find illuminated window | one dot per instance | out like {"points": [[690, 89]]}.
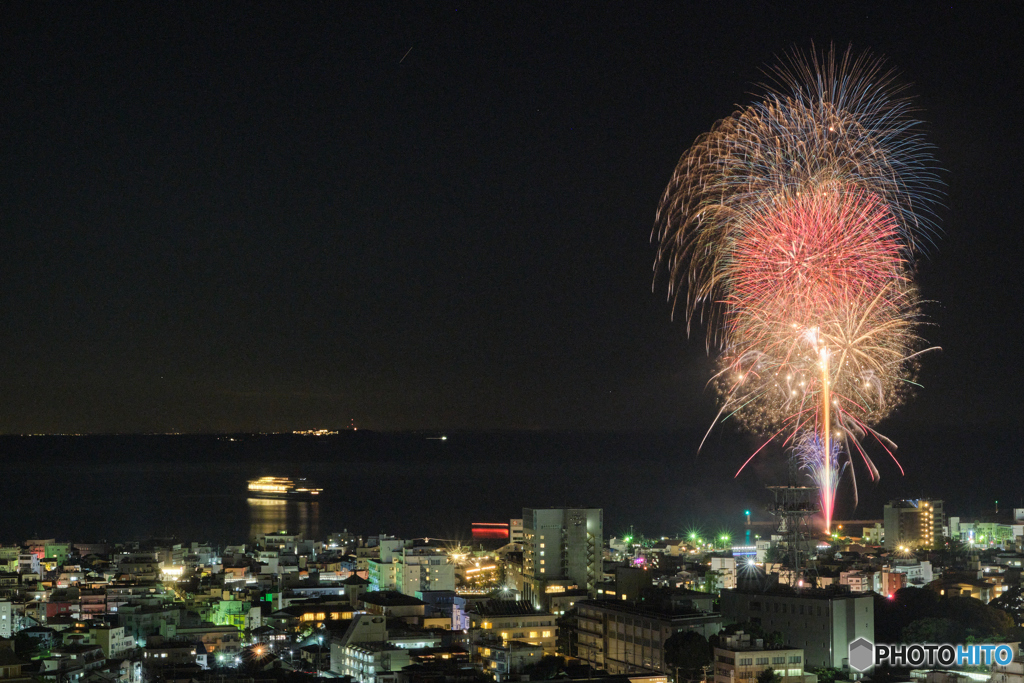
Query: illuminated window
{"points": [[533, 634], [546, 634]]}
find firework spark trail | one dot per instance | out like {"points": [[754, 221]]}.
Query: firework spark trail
{"points": [[792, 227], [809, 452]]}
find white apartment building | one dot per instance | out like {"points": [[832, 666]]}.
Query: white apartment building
{"points": [[918, 573], [858, 580], [725, 567], [423, 569], [515, 531], [114, 641]]}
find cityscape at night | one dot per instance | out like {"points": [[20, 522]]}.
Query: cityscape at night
{"points": [[422, 342]]}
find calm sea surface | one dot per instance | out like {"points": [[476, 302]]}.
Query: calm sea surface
{"points": [[194, 487]]}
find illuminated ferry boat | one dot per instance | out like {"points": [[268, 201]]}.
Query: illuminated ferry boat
{"points": [[283, 488]]}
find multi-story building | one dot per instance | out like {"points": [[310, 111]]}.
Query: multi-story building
{"points": [[913, 523], [140, 621], [502, 621], [981, 534], [383, 566], [503, 660], [919, 573], [222, 641], [561, 545], [364, 555], [230, 613], [626, 637], [364, 628], [515, 531], [423, 569], [383, 576], [1009, 673], [724, 568], [9, 558], [113, 640], [741, 658], [6, 619], [28, 563], [58, 551], [872, 535], [822, 622], [371, 662], [858, 580]]}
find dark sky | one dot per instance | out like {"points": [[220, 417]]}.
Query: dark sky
{"points": [[263, 217]]}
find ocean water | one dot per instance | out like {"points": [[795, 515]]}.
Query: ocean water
{"points": [[113, 488]]}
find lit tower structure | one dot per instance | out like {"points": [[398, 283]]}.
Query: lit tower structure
{"points": [[794, 506]]}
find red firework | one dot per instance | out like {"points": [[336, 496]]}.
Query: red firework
{"points": [[801, 260]]}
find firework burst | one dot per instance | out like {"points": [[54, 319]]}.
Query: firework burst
{"points": [[792, 226]]}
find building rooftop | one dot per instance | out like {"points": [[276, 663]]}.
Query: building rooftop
{"points": [[743, 642], [785, 591], [504, 608], [649, 611], [390, 599]]}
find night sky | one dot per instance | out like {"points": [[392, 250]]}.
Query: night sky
{"points": [[437, 216]]}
